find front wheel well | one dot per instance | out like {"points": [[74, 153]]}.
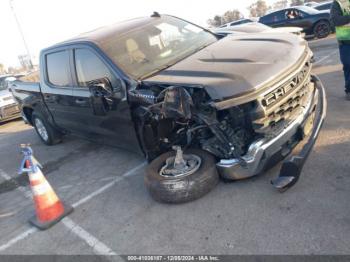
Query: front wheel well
{"points": [[323, 32], [321, 20], [28, 113]]}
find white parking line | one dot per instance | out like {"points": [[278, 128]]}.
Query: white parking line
{"points": [[18, 238], [8, 214], [22, 189], [98, 247], [325, 57], [109, 185]]}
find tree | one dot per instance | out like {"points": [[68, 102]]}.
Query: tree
{"points": [[258, 9], [230, 16], [280, 4], [227, 17], [216, 21], [297, 2]]}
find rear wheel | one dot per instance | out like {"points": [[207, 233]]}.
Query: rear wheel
{"points": [[47, 133], [322, 29], [188, 181]]}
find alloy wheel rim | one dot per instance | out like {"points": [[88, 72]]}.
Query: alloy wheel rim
{"points": [[41, 129], [322, 30]]}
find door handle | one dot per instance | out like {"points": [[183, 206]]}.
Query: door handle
{"points": [[80, 101], [50, 98]]}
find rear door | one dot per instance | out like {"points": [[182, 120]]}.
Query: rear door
{"points": [[276, 19], [107, 119], [57, 86]]}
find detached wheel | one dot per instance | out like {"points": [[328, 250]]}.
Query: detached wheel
{"points": [[322, 29], [48, 134], [185, 181]]}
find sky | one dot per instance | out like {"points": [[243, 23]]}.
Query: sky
{"points": [[46, 22]]}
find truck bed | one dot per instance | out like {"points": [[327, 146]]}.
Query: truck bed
{"points": [[27, 94]]}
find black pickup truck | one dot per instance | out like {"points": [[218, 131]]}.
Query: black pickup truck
{"points": [[197, 105]]}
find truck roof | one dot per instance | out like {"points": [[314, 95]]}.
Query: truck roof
{"points": [[102, 33]]}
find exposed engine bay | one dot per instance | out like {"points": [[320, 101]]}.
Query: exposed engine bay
{"points": [[179, 116]]}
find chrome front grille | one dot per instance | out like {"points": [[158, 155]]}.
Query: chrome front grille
{"points": [[278, 107], [9, 111]]}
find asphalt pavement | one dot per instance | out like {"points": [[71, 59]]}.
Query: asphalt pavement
{"points": [[114, 213]]}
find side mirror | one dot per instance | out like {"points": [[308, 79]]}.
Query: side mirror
{"points": [[101, 87]]}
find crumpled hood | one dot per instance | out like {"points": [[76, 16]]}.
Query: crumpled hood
{"points": [[235, 65]]}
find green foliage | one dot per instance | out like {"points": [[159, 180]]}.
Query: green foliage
{"points": [[228, 16], [297, 2], [280, 4], [258, 9]]}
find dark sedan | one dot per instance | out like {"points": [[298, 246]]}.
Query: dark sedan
{"points": [[312, 21]]}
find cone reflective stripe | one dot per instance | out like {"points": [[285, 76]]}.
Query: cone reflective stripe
{"points": [[49, 208], [47, 204]]}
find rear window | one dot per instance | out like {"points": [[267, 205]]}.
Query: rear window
{"points": [[324, 7], [58, 68]]}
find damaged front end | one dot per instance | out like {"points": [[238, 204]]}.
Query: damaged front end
{"points": [[182, 116], [245, 138]]}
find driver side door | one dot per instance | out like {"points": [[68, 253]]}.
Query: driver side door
{"points": [[299, 21], [103, 116]]}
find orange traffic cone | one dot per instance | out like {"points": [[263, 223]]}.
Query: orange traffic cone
{"points": [[49, 208]]}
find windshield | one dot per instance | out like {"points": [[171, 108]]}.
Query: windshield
{"points": [[156, 45]]}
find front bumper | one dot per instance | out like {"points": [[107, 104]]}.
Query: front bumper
{"points": [[261, 152], [9, 112]]}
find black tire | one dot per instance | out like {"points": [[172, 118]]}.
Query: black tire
{"points": [[53, 136], [322, 29], [181, 189]]}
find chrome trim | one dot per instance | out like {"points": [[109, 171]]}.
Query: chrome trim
{"points": [[6, 117], [262, 150]]}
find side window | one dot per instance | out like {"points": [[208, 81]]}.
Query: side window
{"points": [[268, 18], [292, 14], [57, 65], [89, 68], [278, 16]]}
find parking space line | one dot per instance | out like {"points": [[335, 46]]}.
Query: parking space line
{"points": [[98, 247], [109, 185], [22, 189], [8, 214], [93, 242], [325, 57], [18, 238]]}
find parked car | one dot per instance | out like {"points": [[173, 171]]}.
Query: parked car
{"points": [[238, 22], [8, 106], [194, 103], [325, 6], [256, 27], [313, 22], [311, 4]]}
